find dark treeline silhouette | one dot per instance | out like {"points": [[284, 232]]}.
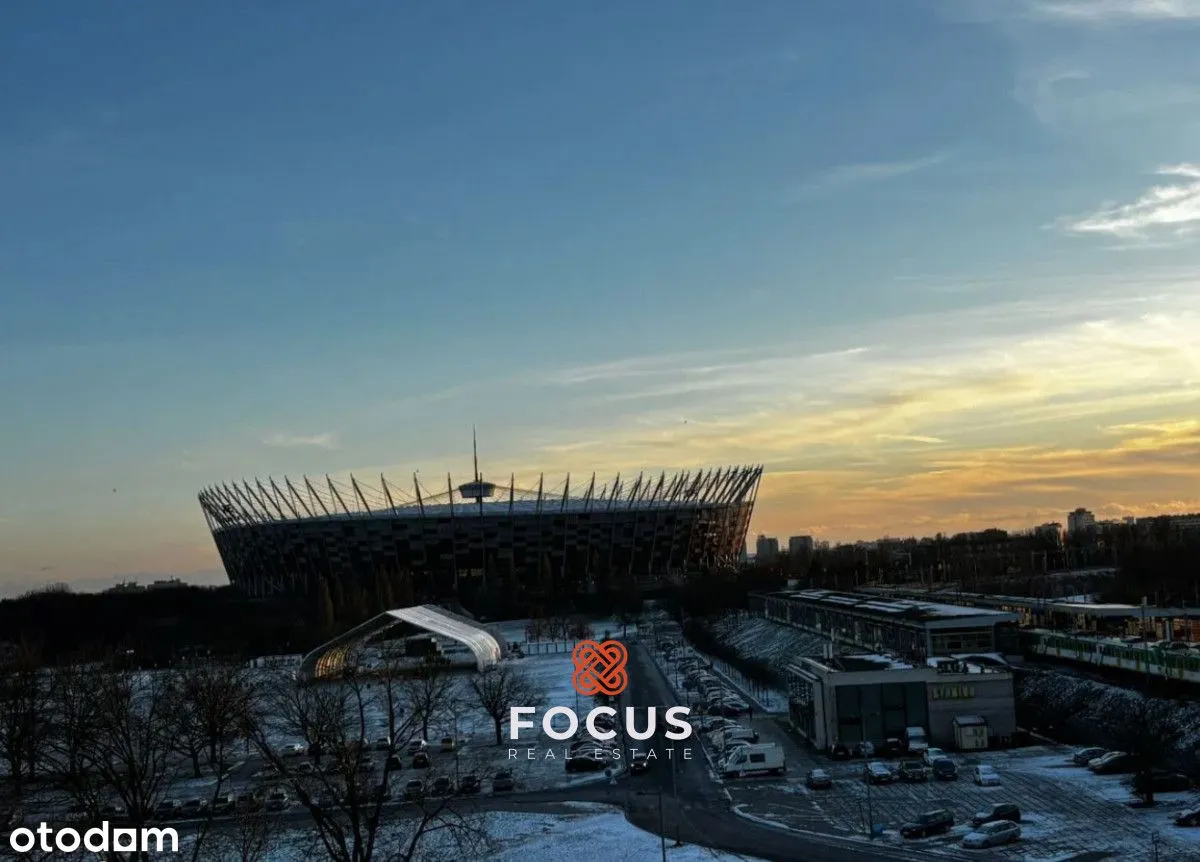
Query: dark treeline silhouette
{"points": [[161, 627], [1158, 558]]}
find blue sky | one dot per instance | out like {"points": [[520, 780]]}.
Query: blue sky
{"points": [[932, 263]]}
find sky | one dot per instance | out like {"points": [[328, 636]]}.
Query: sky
{"points": [[933, 264]]}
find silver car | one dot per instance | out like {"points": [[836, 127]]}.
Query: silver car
{"points": [[994, 834]]}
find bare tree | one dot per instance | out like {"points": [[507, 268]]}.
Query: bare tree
{"points": [[130, 744], [502, 687], [211, 701], [427, 691], [247, 838], [1150, 731], [24, 693], [344, 782]]}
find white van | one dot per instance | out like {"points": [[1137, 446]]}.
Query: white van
{"points": [[766, 759], [914, 740]]}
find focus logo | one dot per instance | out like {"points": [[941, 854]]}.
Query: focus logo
{"points": [[600, 668]]}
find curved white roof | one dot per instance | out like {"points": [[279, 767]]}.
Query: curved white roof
{"points": [[329, 659]]}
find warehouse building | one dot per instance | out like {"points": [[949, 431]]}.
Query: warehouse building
{"points": [[852, 698]]}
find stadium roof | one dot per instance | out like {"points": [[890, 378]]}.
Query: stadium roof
{"points": [[329, 661], [249, 503]]}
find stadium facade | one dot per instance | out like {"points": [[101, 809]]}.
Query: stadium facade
{"points": [[489, 548]]}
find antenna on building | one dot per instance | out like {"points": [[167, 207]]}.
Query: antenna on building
{"points": [[475, 451]]}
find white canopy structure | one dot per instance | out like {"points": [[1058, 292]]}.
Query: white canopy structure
{"points": [[328, 661]]}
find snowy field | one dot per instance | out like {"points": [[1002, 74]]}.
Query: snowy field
{"points": [[596, 834], [465, 721]]}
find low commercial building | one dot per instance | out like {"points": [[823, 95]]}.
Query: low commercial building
{"points": [[911, 629], [873, 698]]}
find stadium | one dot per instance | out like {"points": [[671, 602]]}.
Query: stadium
{"points": [[355, 549]]}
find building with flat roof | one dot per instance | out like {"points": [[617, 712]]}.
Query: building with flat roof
{"points": [[912, 629], [873, 698]]}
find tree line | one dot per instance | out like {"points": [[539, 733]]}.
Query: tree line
{"points": [[115, 744]]}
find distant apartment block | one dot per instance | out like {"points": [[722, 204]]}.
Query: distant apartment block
{"points": [[800, 546], [766, 548], [1080, 521]]}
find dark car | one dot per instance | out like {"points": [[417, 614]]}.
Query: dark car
{"points": [[586, 762], [840, 751], [1162, 782], [1119, 765], [469, 783], [934, 822], [503, 782], [442, 786], [394, 763], [414, 790], [864, 749], [1188, 818], [639, 763], [913, 771], [892, 747], [944, 769], [999, 811], [420, 760], [819, 779]]}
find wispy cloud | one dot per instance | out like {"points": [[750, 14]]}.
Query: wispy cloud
{"points": [[860, 173], [297, 441], [1114, 11], [1167, 213]]}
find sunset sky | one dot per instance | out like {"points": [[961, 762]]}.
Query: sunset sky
{"points": [[934, 264]]}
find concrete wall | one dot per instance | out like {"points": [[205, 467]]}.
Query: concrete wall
{"points": [[993, 701]]}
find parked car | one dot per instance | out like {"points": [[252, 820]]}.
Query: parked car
{"points": [[225, 803], [503, 782], [1119, 765], [996, 833], [416, 745], [929, 755], [944, 769], [913, 771], [933, 822], [394, 763], [864, 750], [1161, 781], [639, 763], [840, 751], [194, 807], [442, 786], [877, 773], [999, 811], [166, 809], [819, 779], [469, 783], [589, 761], [420, 760], [277, 800], [1188, 817], [1104, 759], [414, 790], [985, 776], [1084, 756], [893, 747]]}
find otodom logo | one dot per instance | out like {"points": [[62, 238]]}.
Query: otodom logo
{"points": [[600, 668]]}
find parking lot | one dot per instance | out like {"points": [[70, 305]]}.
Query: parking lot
{"points": [[1065, 810]]}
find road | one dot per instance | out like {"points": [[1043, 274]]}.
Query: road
{"points": [[696, 811]]}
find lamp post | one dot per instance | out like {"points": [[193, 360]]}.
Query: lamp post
{"points": [[868, 778]]}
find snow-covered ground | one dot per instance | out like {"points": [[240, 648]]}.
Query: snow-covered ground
{"points": [[596, 834]]}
